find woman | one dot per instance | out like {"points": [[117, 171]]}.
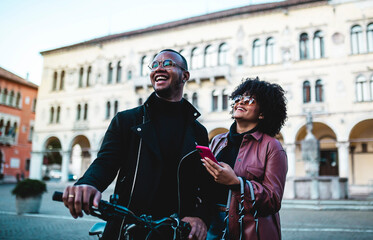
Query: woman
{"points": [[250, 151]]}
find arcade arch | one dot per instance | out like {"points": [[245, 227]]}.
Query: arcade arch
{"points": [[361, 152], [328, 149], [80, 155], [52, 158], [215, 132]]}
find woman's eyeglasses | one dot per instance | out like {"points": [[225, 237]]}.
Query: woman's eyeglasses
{"points": [[247, 100], [168, 63]]}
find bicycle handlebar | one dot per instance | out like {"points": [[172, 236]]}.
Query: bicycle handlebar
{"points": [[107, 210]]}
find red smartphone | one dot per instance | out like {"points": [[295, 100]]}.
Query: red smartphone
{"points": [[206, 152]]}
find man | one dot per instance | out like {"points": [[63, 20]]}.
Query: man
{"points": [[152, 147]]}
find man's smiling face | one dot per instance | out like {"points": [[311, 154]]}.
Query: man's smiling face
{"points": [[168, 82]]}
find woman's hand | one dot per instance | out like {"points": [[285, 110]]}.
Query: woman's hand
{"points": [[222, 173]]}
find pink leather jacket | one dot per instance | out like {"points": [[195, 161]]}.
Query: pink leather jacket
{"points": [[262, 160]]}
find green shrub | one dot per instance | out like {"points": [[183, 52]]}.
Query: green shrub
{"points": [[29, 188]]}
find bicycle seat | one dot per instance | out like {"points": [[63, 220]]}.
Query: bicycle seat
{"points": [[97, 229]]}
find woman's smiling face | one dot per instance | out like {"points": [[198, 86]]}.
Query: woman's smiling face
{"points": [[246, 108]]}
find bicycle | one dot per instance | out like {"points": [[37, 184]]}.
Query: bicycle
{"points": [[109, 210]]}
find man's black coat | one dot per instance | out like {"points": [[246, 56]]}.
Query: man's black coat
{"points": [[132, 130]]}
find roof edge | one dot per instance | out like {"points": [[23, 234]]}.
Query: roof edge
{"points": [[191, 20], [15, 78]]}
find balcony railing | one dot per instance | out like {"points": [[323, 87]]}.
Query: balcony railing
{"points": [[7, 140]]}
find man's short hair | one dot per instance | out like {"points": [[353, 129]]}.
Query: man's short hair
{"points": [[182, 57]]}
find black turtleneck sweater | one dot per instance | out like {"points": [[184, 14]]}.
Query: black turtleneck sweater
{"points": [[169, 121], [229, 155]]}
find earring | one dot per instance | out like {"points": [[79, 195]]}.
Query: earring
{"points": [[261, 116]]}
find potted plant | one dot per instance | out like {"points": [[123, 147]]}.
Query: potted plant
{"points": [[28, 195]]}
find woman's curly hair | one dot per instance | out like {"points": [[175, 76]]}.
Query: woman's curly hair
{"points": [[271, 100]]}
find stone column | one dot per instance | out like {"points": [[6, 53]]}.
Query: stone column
{"points": [[335, 188], [36, 164], [289, 192], [65, 166], [290, 152], [343, 165], [315, 192]]}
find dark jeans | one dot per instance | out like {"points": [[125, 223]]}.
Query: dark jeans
{"points": [[217, 226]]}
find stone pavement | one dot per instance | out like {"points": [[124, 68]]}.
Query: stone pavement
{"points": [[54, 222]]}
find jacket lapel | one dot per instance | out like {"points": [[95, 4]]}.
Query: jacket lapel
{"points": [[147, 132], [189, 143]]}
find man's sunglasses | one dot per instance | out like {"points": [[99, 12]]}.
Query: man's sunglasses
{"points": [[247, 100], [168, 63]]}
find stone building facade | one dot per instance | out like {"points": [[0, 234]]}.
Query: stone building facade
{"points": [[320, 52]]}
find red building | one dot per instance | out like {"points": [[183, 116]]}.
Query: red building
{"points": [[17, 115]]}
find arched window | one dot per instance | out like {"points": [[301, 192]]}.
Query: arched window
{"points": [[89, 75], [110, 73], [370, 37], [5, 96], [225, 100], [115, 107], [58, 114], [108, 107], [62, 82], [185, 96], [209, 61], [143, 68], [195, 59], [18, 100], [223, 54], [54, 83], [81, 71], [119, 72], [85, 115], [51, 115], [214, 101], [11, 98], [78, 111], [7, 128], [361, 89], [306, 92], [356, 39], [239, 60], [256, 52], [318, 45], [14, 130], [139, 101], [319, 91], [270, 45], [195, 100], [303, 46], [34, 105]]}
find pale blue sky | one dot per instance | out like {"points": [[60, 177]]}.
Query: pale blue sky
{"points": [[30, 26]]}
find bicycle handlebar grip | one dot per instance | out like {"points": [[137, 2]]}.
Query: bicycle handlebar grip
{"points": [[185, 229], [57, 196]]}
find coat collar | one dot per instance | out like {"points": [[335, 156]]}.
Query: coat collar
{"points": [[146, 129], [257, 135], [191, 111]]}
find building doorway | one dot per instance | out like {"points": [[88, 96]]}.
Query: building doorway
{"points": [[328, 163]]}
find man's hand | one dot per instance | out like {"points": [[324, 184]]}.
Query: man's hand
{"points": [[199, 229], [78, 197]]}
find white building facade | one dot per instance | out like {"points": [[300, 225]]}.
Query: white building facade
{"points": [[320, 52]]}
